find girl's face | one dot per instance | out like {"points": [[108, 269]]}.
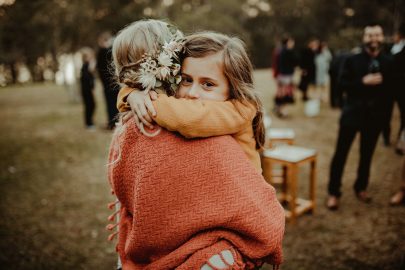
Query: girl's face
{"points": [[203, 78]]}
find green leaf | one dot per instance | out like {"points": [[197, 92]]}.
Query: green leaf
{"points": [[173, 86], [178, 79]]}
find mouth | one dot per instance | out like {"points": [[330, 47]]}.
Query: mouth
{"points": [[373, 45]]}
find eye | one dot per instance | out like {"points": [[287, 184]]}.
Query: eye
{"points": [[208, 84], [186, 80]]}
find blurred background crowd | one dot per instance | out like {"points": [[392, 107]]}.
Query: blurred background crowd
{"points": [[38, 37]]}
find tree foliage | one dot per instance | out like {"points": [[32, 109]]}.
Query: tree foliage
{"points": [[30, 29]]}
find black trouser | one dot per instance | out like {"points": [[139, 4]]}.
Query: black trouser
{"points": [[336, 94], [111, 93], [400, 99], [368, 141], [89, 105], [303, 85]]}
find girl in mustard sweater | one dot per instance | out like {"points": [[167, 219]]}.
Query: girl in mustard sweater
{"points": [[215, 96]]}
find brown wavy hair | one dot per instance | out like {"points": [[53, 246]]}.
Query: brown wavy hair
{"points": [[238, 70]]}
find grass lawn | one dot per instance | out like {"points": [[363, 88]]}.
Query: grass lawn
{"points": [[54, 197], [53, 178]]}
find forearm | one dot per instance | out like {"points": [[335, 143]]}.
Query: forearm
{"points": [[195, 118]]}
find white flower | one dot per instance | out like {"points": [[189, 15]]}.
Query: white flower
{"points": [[152, 63], [160, 67], [164, 59], [170, 47], [147, 79], [176, 69], [163, 72]]}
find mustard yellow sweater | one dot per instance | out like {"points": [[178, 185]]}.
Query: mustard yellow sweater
{"points": [[203, 118]]}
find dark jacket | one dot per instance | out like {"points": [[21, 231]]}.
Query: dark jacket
{"points": [[307, 63], [104, 68], [399, 74], [366, 105], [86, 77], [287, 61]]}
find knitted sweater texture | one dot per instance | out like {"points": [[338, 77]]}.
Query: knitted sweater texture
{"points": [[194, 118], [179, 197]]}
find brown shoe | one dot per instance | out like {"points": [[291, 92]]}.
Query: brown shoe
{"points": [[363, 196], [332, 203], [398, 198]]}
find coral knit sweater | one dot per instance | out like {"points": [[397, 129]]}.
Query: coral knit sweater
{"points": [[181, 198], [203, 118]]}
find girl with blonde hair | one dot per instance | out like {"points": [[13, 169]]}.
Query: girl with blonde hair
{"points": [[184, 203]]}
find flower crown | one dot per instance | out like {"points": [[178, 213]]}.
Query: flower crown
{"points": [[160, 68]]}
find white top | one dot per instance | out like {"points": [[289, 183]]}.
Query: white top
{"points": [[290, 153], [280, 133], [267, 121], [397, 48]]}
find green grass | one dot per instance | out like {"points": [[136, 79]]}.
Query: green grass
{"points": [[53, 178]]}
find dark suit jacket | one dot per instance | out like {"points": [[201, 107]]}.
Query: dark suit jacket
{"points": [[365, 105], [308, 63], [399, 74]]}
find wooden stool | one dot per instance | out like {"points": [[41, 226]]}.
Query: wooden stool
{"points": [[279, 135], [290, 157], [276, 136]]}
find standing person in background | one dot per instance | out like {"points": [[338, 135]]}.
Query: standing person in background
{"points": [[308, 67], [365, 79], [398, 53], [87, 86], [111, 88], [287, 61], [322, 62], [274, 59]]}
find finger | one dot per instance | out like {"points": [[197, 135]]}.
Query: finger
{"points": [[125, 118], [150, 107], [153, 95], [138, 113], [137, 123], [145, 114]]}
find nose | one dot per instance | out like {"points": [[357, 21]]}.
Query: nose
{"points": [[193, 92]]}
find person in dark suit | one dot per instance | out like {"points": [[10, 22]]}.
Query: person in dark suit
{"points": [[398, 52], [287, 61], [87, 87], [111, 88], [365, 79], [307, 65]]}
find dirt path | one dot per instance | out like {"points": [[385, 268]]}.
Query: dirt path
{"points": [[54, 190]]}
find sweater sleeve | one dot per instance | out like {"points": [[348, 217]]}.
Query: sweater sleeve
{"points": [[202, 118], [122, 104]]}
